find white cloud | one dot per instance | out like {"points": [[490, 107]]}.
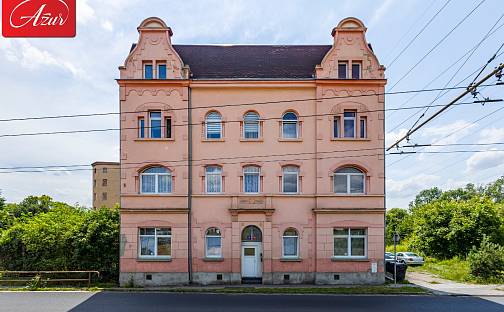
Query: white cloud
{"points": [[484, 160], [492, 135], [410, 186], [391, 137], [380, 12], [23, 52], [448, 133], [84, 11], [107, 25]]}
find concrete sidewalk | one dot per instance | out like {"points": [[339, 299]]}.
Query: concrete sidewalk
{"points": [[439, 286]]}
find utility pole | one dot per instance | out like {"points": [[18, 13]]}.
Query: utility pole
{"points": [[472, 88], [396, 240]]}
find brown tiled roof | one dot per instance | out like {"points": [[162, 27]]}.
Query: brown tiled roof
{"points": [[252, 61]]}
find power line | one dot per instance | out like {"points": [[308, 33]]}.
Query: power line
{"points": [[267, 161], [230, 105], [469, 90], [458, 70], [453, 132], [418, 34], [227, 121], [442, 73], [437, 44]]}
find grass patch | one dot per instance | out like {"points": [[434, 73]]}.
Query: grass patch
{"points": [[402, 247], [452, 269]]}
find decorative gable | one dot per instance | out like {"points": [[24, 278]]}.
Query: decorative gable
{"points": [[350, 47], [154, 47]]}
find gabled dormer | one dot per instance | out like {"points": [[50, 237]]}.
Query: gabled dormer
{"points": [[153, 57], [350, 57]]}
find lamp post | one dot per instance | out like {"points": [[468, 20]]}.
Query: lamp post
{"points": [[396, 240]]}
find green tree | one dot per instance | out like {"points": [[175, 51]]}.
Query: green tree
{"points": [[397, 219], [96, 244], [448, 228], [495, 190], [425, 197]]}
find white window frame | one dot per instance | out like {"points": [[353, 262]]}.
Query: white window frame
{"points": [[348, 177], [156, 236], [362, 128], [296, 122], [296, 256], [144, 71], [354, 119], [156, 181], [258, 174], [346, 69], [206, 244], [207, 122], [160, 118], [360, 70], [141, 128], [158, 64], [256, 123], [337, 121], [292, 173], [349, 237], [213, 174]]}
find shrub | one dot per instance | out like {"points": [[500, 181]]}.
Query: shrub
{"points": [[487, 261]]}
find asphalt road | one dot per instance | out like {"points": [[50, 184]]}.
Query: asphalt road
{"points": [[152, 302]]}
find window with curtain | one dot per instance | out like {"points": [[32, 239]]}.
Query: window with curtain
{"points": [[251, 179], [251, 125], [350, 243], [290, 179], [290, 126], [156, 180], [155, 124], [213, 243], [213, 125], [154, 242], [349, 124], [290, 243], [213, 179], [349, 181]]}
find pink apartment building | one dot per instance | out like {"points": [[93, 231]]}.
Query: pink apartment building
{"points": [[252, 163]]}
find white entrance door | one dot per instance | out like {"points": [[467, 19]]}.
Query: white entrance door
{"points": [[251, 259]]}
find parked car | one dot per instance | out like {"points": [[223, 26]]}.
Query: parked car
{"points": [[389, 257], [410, 258]]}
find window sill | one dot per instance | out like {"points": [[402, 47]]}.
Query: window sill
{"points": [[290, 140], [158, 259], [291, 259], [349, 194], [209, 259], [154, 140], [353, 259], [252, 140], [351, 139], [156, 194], [213, 140]]}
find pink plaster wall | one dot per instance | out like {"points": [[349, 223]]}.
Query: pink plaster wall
{"points": [[296, 211]]}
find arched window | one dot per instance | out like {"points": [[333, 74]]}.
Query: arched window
{"points": [[251, 179], [290, 243], [156, 180], [213, 125], [349, 180], [251, 234], [213, 179], [251, 125], [290, 179], [213, 240], [290, 127]]}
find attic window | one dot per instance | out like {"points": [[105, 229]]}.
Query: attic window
{"points": [[342, 70], [147, 70], [356, 70]]}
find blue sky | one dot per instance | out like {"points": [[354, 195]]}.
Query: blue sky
{"points": [[69, 76]]}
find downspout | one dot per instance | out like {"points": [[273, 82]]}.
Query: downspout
{"points": [[189, 185]]}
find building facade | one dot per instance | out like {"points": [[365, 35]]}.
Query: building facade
{"points": [[252, 163], [106, 184]]}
